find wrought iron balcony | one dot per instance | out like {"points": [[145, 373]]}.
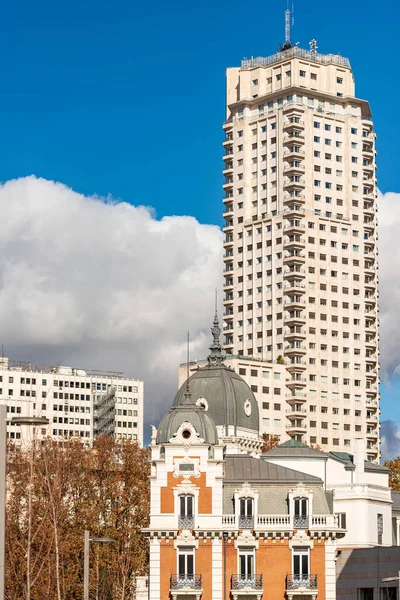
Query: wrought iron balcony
{"points": [[185, 522], [246, 522], [241, 582], [295, 582], [300, 522], [185, 581]]}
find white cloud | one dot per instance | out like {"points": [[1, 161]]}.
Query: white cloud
{"points": [[390, 436], [96, 283], [389, 282]]}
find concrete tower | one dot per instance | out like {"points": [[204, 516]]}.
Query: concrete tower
{"points": [[300, 265]]}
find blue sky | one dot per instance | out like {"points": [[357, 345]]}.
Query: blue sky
{"points": [[127, 99]]}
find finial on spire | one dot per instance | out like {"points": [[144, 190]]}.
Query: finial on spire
{"points": [[216, 355], [187, 393]]}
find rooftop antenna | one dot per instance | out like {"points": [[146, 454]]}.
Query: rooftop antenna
{"points": [[289, 21], [313, 46]]}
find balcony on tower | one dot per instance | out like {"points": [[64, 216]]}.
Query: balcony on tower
{"points": [[295, 349], [294, 318], [294, 167], [296, 412], [294, 226], [296, 427], [294, 182], [296, 397], [295, 242], [293, 123], [294, 152], [294, 272], [246, 585], [294, 136], [294, 302], [293, 198], [295, 334], [295, 287], [294, 210], [294, 257]]}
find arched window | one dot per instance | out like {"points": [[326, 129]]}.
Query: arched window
{"points": [[186, 511], [300, 517], [246, 513]]}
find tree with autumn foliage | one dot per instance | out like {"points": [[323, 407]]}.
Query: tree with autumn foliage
{"points": [[394, 475], [57, 490], [270, 441]]}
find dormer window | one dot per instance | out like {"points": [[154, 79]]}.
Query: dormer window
{"points": [[186, 511], [246, 513], [300, 518]]}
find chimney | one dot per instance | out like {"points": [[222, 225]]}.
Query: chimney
{"points": [[359, 458]]}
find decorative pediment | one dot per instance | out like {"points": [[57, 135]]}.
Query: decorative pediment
{"points": [[186, 538], [186, 467], [246, 491], [246, 539], [301, 539], [300, 491], [186, 436]]}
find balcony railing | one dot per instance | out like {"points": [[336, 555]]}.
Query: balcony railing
{"points": [[252, 582], [246, 522], [191, 582], [185, 522], [308, 582], [277, 522], [300, 522]]}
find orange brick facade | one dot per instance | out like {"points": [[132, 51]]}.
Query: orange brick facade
{"points": [[205, 495]]}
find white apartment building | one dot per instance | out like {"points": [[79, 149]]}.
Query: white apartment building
{"points": [[77, 402], [300, 264]]}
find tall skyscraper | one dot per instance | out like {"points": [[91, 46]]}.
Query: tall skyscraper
{"points": [[300, 263]]}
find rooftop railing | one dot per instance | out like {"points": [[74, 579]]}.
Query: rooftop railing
{"points": [[296, 52]]}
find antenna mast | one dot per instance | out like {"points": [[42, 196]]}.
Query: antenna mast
{"points": [[287, 27], [288, 23]]}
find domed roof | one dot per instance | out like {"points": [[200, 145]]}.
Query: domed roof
{"points": [[187, 412], [226, 396]]}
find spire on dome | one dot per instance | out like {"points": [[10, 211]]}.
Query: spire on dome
{"points": [[216, 355]]}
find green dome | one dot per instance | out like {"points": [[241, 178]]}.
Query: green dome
{"points": [[226, 396], [191, 413]]}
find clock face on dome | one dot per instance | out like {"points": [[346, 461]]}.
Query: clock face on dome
{"points": [[247, 407]]}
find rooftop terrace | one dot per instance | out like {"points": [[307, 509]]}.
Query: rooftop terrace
{"points": [[296, 52]]}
